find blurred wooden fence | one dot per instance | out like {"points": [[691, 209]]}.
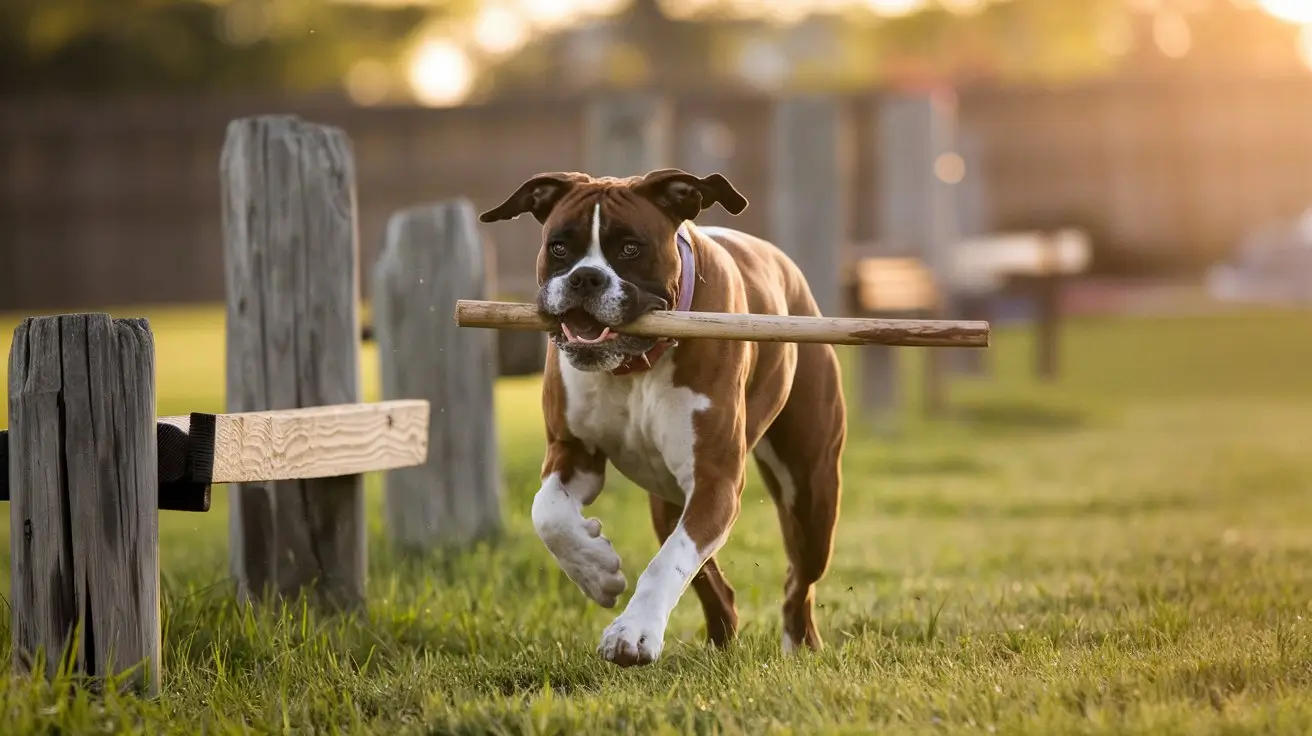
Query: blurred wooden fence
{"points": [[115, 203]]}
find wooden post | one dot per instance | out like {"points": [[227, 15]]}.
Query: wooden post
{"points": [[1047, 303], [916, 135], [432, 257], [291, 259], [811, 179], [971, 201], [83, 474], [627, 134]]}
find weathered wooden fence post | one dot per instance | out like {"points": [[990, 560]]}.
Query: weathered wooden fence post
{"points": [[971, 200], [917, 208], [627, 134], [1047, 306], [811, 178], [291, 258], [432, 257], [84, 530]]}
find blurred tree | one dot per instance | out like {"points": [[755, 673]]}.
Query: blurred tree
{"points": [[114, 46], [106, 46]]}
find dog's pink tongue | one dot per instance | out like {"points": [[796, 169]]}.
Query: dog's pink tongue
{"points": [[579, 326], [570, 336]]}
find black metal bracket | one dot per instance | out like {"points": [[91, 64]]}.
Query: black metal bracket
{"points": [[186, 464]]}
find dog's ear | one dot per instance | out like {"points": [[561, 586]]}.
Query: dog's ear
{"points": [[683, 196], [537, 196]]}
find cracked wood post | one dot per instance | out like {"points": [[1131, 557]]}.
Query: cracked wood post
{"points": [[431, 257], [84, 528], [291, 261], [811, 179]]}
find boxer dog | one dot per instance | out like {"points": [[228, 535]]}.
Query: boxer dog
{"points": [[679, 418]]}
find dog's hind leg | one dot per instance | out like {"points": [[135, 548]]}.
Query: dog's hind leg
{"points": [[800, 465], [713, 590]]}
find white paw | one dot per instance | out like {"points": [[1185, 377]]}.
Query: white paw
{"points": [[632, 639], [588, 559]]}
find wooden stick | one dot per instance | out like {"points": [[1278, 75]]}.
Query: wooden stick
{"points": [[751, 327]]}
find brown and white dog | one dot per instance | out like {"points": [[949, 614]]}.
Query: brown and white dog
{"points": [[678, 419]]}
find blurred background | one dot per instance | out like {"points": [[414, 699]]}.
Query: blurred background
{"points": [[1176, 135]]}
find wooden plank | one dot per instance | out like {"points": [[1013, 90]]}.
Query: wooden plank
{"points": [[751, 327], [291, 258], [432, 257], [319, 442], [810, 155], [887, 285], [102, 492]]}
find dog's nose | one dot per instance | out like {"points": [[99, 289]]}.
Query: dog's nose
{"points": [[587, 280]]}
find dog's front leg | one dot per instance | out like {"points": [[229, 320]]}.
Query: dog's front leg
{"points": [[713, 497], [572, 478]]}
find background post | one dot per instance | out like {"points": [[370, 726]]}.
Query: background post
{"points": [[810, 155], [432, 257], [917, 204], [627, 134], [291, 258]]}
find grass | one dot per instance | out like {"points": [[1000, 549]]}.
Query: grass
{"points": [[1127, 551]]}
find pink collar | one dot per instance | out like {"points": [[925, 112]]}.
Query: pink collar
{"points": [[687, 281]]}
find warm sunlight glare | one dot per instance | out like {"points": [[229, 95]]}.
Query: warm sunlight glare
{"points": [[499, 30], [367, 82], [440, 74], [950, 168], [549, 14], [1171, 34], [1294, 11], [895, 7], [1305, 45]]}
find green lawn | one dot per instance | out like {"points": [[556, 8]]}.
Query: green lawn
{"points": [[1128, 551]]}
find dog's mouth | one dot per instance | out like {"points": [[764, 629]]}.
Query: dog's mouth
{"points": [[581, 328]]}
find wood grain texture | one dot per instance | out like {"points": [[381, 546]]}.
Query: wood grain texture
{"points": [[319, 442], [432, 257], [292, 280], [40, 535], [812, 175], [751, 327], [102, 491]]}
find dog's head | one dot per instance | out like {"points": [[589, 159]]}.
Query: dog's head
{"points": [[609, 253]]}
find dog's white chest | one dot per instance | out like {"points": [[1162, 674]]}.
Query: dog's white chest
{"points": [[642, 422]]}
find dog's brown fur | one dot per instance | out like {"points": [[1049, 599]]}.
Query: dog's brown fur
{"points": [[788, 393]]}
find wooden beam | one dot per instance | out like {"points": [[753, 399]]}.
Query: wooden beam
{"points": [[200, 449], [431, 256], [83, 530], [318, 442], [751, 327]]}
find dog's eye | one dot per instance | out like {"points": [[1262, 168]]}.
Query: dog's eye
{"points": [[558, 250], [629, 250]]}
